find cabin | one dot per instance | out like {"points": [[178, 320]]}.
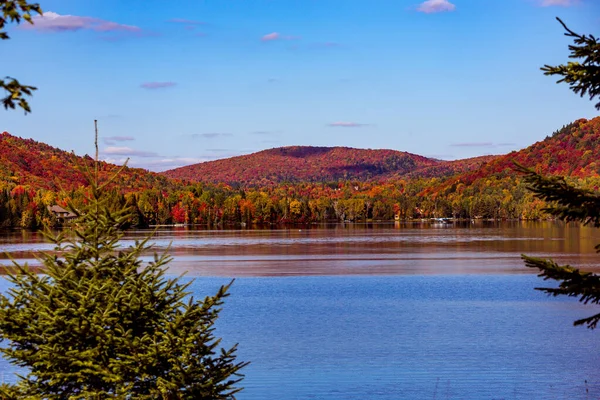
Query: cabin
{"points": [[60, 213]]}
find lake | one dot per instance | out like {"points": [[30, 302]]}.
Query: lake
{"points": [[389, 311]]}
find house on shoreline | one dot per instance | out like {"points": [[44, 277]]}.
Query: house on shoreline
{"points": [[61, 214]]}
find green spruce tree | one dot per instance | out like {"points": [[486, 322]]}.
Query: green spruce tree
{"points": [[99, 323], [568, 202], [583, 76]]}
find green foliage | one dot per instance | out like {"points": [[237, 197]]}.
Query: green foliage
{"points": [[568, 202], [100, 324], [583, 77], [16, 91], [34, 175], [573, 283], [15, 11]]}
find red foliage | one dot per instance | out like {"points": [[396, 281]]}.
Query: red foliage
{"points": [[571, 151], [304, 164], [40, 166]]}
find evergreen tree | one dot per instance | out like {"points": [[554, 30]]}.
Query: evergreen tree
{"points": [[100, 324], [582, 76], [568, 202]]}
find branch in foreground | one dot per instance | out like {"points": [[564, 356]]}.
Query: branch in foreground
{"points": [[583, 77], [573, 283], [16, 94], [570, 203], [14, 11]]}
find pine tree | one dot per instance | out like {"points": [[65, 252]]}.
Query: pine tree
{"points": [[568, 202], [100, 324], [582, 76]]}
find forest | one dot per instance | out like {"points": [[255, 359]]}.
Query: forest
{"points": [[35, 176]]}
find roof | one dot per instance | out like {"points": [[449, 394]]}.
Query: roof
{"points": [[59, 210]]}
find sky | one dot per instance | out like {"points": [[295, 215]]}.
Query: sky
{"points": [[180, 82]]}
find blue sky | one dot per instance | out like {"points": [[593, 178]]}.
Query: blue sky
{"points": [[179, 82]]}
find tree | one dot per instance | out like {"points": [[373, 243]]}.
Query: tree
{"points": [[568, 202], [100, 324], [15, 11], [583, 77]]}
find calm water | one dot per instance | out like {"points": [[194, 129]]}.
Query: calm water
{"points": [[390, 311]]}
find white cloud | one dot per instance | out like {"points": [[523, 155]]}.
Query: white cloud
{"points": [[128, 151], [54, 22], [110, 140], [157, 85], [345, 124], [562, 3], [210, 135], [481, 144], [269, 37], [435, 6], [168, 163]]}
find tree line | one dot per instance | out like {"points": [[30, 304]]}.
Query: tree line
{"points": [[212, 205]]}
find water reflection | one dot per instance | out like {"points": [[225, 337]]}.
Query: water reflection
{"points": [[353, 249], [428, 324]]}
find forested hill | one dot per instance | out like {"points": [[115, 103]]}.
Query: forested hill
{"points": [[572, 151], [295, 184], [37, 165], [305, 164], [446, 169]]}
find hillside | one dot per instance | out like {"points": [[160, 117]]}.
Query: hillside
{"points": [[294, 184], [30, 163], [449, 168], [304, 164], [572, 151]]}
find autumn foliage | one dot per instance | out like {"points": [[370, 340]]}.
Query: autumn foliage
{"points": [[304, 164], [301, 184]]}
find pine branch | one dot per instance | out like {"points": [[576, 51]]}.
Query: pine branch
{"points": [[582, 76], [102, 323], [573, 283], [568, 202]]}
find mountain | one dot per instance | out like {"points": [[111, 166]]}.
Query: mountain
{"points": [[40, 166], [306, 164], [391, 183], [572, 151], [449, 168]]}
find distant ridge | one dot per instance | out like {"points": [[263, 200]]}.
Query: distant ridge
{"points": [[572, 151], [307, 164], [30, 163], [449, 168]]}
